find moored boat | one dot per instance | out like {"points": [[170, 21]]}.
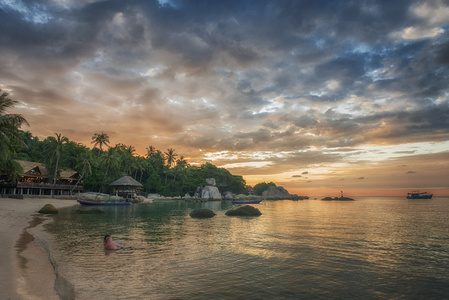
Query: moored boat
{"points": [[87, 202], [419, 195], [247, 201]]}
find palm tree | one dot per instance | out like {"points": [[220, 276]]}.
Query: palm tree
{"points": [[85, 165], [170, 156], [9, 127], [55, 149], [157, 161], [151, 151], [100, 139], [128, 159], [181, 165], [111, 160]]}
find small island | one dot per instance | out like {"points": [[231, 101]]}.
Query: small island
{"points": [[341, 198]]}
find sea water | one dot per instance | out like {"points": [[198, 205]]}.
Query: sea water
{"points": [[370, 248]]}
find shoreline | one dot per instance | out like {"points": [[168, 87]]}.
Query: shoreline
{"points": [[30, 272]]}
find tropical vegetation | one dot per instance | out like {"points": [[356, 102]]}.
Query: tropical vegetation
{"points": [[165, 173]]}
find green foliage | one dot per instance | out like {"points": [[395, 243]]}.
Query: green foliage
{"points": [[54, 148], [10, 134], [160, 173], [262, 187], [12, 169]]}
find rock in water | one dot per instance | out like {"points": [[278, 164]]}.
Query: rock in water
{"points": [[48, 209], [201, 213], [244, 211]]}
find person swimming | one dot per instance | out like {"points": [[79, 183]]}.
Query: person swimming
{"points": [[109, 244]]}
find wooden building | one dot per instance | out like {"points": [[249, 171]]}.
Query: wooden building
{"points": [[126, 187], [35, 180]]}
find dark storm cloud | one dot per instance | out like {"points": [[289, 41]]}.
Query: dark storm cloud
{"points": [[281, 76], [442, 54]]}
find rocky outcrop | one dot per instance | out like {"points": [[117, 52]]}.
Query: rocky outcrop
{"points": [[337, 199], [48, 209], [198, 192], [246, 197], [209, 192], [201, 213], [279, 193], [244, 211], [211, 181], [229, 196]]}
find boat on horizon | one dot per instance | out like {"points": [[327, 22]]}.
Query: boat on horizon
{"points": [[247, 201], [419, 195], [87, 202]]}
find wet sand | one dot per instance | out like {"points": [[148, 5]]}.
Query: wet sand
{"points": [[27, 272]]}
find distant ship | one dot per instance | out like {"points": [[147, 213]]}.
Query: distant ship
{"points": [[418, 195]]}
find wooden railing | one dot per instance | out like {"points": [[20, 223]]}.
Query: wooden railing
{"points": [[34, 185]]}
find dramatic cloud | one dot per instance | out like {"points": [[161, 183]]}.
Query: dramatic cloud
{"points": [[264, 88]]}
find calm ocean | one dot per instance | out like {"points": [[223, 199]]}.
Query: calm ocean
{"points": [[371, 248]]}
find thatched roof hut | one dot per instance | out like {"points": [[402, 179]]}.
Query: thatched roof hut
{"points": [[126, 187], [126, 181]]}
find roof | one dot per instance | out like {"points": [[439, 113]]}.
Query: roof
{"points": [[35, 169], [126, 181], [31, 168]]}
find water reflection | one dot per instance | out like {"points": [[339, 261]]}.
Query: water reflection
{"points": [[373, 247]]}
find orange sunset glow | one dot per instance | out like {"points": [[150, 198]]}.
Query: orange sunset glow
{"points": [[318, 98]]}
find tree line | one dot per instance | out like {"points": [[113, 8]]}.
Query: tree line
{"points": [[161, 172]]}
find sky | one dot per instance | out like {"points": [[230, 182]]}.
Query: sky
{"points": [[316, 96]]}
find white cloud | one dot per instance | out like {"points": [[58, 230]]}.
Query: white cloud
{"points": [[416, 33], [435, 13]]}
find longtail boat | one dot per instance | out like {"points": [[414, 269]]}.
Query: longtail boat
{"points": [[247, 202]]}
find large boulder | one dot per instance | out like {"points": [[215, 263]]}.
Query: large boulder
{"points": [[201, 213], [211, 181], [198, 192], [211, 193], [229, 196], [244, 211], [48, 209]]}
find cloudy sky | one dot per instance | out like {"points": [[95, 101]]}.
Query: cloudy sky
{"points": [[316, 96]]}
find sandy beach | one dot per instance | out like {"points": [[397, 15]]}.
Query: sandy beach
{"points": [[27, 272]]}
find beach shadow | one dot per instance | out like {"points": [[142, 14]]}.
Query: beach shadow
{"points": [[25, 238]]}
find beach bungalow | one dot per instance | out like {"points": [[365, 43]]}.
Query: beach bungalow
{"points": [[36, 180], [126, 187]]}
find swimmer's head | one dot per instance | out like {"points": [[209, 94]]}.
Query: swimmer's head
{"points": [[107, 237]]}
